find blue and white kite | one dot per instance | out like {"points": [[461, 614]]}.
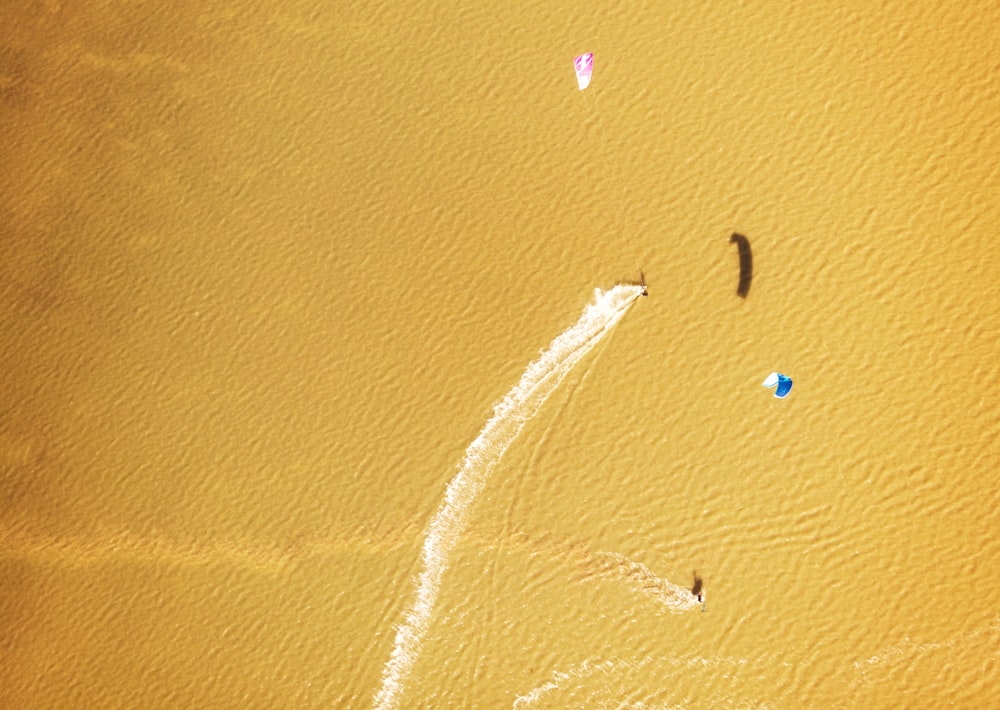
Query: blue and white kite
{"points": [[784, 384]]}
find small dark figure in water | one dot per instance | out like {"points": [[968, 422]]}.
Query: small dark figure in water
{"points": [[696, 590], [642, 282]]}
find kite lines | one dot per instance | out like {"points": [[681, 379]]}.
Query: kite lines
{"points": [[583, 65]]}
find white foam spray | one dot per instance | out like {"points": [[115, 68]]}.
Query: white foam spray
{"points": [[673, 596], [539, 380]]}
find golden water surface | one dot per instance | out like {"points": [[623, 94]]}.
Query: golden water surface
{"points": [[268, 266]]}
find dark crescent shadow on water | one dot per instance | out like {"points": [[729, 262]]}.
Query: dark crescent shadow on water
{"points": [[696, 589], [746, 264]]}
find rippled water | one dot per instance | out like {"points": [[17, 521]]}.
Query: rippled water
{"points": [[269, 269]]}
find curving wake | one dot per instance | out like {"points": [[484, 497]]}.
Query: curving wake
{"points": [[539, 380], [674, 597]]}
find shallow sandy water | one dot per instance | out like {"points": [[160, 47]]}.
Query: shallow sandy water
{"points": [[268, 271]]}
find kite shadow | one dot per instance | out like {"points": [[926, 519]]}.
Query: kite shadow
{"points": [[746, 264]]}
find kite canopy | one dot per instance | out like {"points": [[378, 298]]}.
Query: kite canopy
{"points": [[784, 384], [584, 66]]}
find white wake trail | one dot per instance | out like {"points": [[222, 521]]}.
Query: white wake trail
{"points": [[641, 578], [539, 380]]}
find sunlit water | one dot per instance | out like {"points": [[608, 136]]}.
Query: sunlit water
{"points": [[269, 270]]}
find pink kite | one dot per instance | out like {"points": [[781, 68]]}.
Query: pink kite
{"points": [[584, 65]]}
